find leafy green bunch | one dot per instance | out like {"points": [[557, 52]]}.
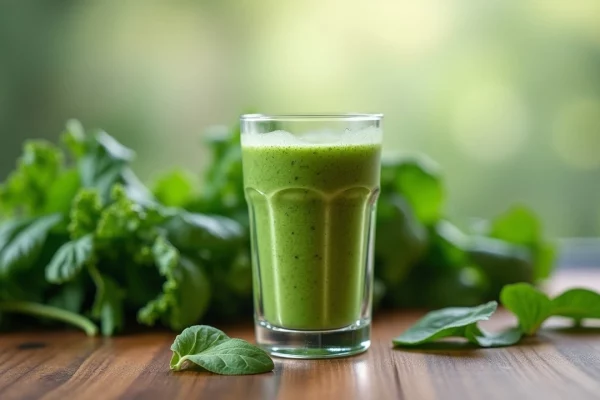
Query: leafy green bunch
{"points": [[83, 240], [422, 259]]}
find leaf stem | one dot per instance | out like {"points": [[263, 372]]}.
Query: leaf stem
{"points": [[55, 313]]}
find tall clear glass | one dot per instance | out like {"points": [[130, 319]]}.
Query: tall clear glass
{"points": [[311, 183]]}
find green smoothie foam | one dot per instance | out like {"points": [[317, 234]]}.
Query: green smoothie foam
{"points": [[311, 209]]}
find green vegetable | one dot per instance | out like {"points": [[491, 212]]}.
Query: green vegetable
{"points": [[578, 304], [21, 241], [211, 349], [531, 306], [70, 259], [444, 323], [508, 337]]}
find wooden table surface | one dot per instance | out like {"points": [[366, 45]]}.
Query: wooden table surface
{"points": [[68, 365]]}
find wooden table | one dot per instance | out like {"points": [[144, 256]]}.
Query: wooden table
{"points": [[67, 365]]}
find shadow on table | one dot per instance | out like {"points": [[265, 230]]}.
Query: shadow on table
{"points": [[458, 348], [574, 330]]}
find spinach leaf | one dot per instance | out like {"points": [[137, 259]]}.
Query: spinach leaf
{"points": [[70, 259], [577, 303], [482, 338], [531, 306], [212, 350], [21, 241], [193, 340], [444, 323]]}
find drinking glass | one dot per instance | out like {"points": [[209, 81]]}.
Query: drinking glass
{"points": [[311, 183]]}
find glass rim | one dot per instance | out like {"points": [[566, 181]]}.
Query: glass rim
{"points": [[311, 117]]}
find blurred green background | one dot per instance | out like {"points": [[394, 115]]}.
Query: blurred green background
{"points": [[503, 94]]}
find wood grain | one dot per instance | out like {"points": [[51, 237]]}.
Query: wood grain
{"points": [[559, 364]]}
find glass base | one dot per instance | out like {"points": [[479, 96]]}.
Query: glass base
{"points": [[343, 342]]}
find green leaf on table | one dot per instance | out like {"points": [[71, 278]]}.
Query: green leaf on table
{"points": [[577, 303], [444, 323], [482, 338], [531, 306], [211, 349], [21, 241], [194, 340], [70, 259]]}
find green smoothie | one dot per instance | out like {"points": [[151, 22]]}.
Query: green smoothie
{"points": [[311, 207]]}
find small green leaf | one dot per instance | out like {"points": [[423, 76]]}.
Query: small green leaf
{"points": [[531, 306], [444, 323], [577, 303], [482, 338], [22, 240], [194, 340], [70, 259], [212, 350]]}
